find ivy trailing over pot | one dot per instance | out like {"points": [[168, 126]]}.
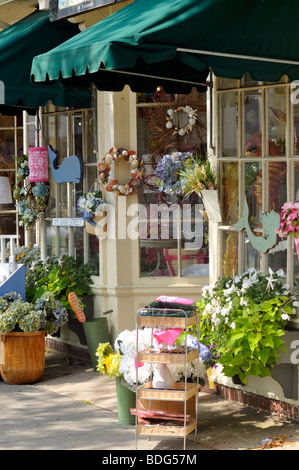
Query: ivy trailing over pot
{"points": [[244, 317]]}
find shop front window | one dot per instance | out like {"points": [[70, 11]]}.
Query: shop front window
{"points": [[11, 144], [174, 229], [70, 132], [258, 172]]}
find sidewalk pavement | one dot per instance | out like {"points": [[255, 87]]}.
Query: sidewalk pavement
{"points": [[75, 408]]}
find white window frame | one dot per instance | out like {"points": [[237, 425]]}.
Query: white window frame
{"points": [[289, 158]]}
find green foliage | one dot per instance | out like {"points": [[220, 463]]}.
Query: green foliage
{"points": [[46, 314], [60, 277], [197, 175], [244, 318]]}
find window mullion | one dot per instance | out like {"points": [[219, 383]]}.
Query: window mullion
{"points": [[265, 168], [241, 188], [290, 180]]}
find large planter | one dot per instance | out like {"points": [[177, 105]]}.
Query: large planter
{"points": [[96, 331], [126, 399], [211, 203], [22, 357]]}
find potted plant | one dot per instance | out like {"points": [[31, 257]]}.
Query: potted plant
{"points": [[121, 364], [199, 177], [91, 207], [59, 276], [23, 326], [244, 318]]}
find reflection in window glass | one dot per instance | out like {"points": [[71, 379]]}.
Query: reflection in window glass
{"points": [[253, 195], [228, 105], [166, 247], [253, 123], [277, 121], [230, 190], [230, 253]]}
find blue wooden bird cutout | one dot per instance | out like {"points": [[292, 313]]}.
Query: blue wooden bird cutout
{"points": [[70, 170]]}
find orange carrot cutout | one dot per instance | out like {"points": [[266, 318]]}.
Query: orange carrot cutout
{"points": [[76, 306]]}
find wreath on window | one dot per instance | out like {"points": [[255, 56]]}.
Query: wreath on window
{"points": [[186, 114], [31, 198], [113, 156]]}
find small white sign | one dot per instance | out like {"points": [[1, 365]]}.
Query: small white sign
{"points": [[68, 222]]}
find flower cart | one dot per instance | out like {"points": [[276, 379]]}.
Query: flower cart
{"points": [[162, 407]]}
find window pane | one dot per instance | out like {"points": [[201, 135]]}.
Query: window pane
{"points": [[230, 253], [228, 107], [253, 195], [159, 240], [278, 196], [276, 105], [230, 192], [253, 123]]}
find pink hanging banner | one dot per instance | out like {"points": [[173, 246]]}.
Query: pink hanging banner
{"points": [[38, 164], [297, 246]]}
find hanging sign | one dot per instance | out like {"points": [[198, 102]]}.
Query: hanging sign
{"points": [[68, 222], [64, 8]]}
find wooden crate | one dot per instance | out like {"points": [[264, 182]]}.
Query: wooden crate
{"points": [[167, 358], [167, 322]]}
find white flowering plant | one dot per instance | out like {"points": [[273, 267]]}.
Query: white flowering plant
{"points": [[243, 318], [121, 362], [89, 203], [126, 343]]}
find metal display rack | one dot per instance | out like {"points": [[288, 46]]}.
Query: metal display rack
{"points": [[183, 397]]}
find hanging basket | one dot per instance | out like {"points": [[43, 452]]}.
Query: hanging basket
{"points": [[38, 164], [98, 228], [22, 357], [211, 204]]}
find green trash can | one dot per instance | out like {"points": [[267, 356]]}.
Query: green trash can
{"points": [[96, 331]]}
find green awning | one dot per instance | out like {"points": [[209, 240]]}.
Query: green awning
{"points": [[180, 40], [19, 43]]}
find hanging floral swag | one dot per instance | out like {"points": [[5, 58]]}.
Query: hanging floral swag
{"points": [[31, 198], [113, 156]]}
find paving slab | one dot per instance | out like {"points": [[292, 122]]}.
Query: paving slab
{"points": [[75, 408]]}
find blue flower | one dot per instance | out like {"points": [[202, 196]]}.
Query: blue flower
{"points": [[167, 172], [204, 353]]}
